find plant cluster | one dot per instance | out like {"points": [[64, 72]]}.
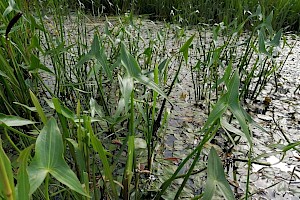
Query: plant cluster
{"points": [[286, 12], [83, 119]]}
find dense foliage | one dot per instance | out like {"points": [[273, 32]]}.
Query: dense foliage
{"points": [[286, 12], [84, 110]]}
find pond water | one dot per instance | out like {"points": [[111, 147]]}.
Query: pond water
{"points": [[281, 121]]}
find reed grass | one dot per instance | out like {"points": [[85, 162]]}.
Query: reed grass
{"points": [[286, 12], [88, 114]]}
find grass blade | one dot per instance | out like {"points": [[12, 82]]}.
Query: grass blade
{"points": [[106, 167], [38, 106]]}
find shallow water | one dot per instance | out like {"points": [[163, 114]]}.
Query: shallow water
{"points": [[182, 133]]}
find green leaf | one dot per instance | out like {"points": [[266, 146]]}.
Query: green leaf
{"points": [[233, 89], [150, 84], [49, 159], [126, 87], [290, 146], [23, 186], [268, 22], [231, 128], [10, 120], [35, 65], [276, 40], [185, 48], [217, 111], [216, 178], [95, 108], [7, 188], [239, 115], [97, 52], [12, 6], [62, 109], [33, 109], [134, 70], [261, 42], [84, 59], [235, 107], [106, 167], [38, 107], [78, 153], [100, 56], [129, 163], [129, 62]]}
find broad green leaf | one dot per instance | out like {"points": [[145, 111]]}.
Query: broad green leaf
{"points": [[10, 120], [276, 40], [48, 158], [268, 22], [95, 108], [235, 107], [233, 89], [84, 59], [120, 107], [134, 70], [231, 128], [129, 62], [7, 10], [4, 75], [97, 52], [210, 190], [60, 108], [100, 56], [239, 115], [23, 186], [216, 178], [185, 48], [150, 84], [251, 121], [126, 87], [7, 188], [261, 42], [226, 75], [94, 70], [35, 65]]}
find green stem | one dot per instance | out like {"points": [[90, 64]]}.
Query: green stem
{"points": [[47, 187], [248, 173], [11, 142]]}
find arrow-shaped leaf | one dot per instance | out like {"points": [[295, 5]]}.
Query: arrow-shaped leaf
{"points": [[216, 178], [134, 70], [49, 159], [185, 48]]}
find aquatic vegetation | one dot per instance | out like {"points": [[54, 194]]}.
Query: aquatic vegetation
{"points": [[87, 104]]}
